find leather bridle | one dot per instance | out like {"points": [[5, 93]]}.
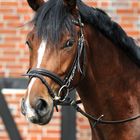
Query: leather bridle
{"points": [[65, 84]]}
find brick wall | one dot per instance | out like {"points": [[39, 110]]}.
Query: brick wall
{"points": [[14, 57], [13, 53]]}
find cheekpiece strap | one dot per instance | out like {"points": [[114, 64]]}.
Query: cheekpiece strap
{"points": [[78, 22]]}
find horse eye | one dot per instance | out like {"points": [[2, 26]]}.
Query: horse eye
{"points": [[69, 43], [28, 44]]}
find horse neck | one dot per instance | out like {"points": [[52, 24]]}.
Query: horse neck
{"points": [[111, 85]]}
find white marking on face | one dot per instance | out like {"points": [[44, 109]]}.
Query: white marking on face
{"points": [[31, 84], [29, 110], [41, 51]]}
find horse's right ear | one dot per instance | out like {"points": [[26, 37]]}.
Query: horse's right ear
{"points": [[35, 4]]}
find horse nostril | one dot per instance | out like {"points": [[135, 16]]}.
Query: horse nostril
{"points": [[41, 107], [41, 104]]}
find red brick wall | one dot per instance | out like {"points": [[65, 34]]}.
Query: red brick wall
{"points": [[14, 57], [13, 53]]}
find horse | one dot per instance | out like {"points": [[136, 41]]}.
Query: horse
{"points": [[74, 46]]}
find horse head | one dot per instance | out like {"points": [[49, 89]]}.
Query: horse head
{"points": [[54, 57]]}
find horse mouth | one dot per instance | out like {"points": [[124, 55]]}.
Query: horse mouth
{"points": [[41, 120], [41, 114]]}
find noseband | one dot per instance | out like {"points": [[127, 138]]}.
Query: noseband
{"points": [[66, 83]]}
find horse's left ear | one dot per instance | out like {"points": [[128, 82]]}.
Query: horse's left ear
{"points": [[35, 4], [71, 4]]}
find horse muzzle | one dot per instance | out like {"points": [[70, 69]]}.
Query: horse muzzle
{"points": [[40, 114]]}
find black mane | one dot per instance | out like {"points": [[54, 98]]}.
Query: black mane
{"points": [[56, 16]]}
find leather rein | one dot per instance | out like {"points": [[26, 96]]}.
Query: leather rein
{"points": [[65, 84]]}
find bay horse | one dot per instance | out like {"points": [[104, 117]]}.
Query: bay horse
{"points": [[73, 46]]}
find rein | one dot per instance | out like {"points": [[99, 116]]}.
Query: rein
{"points": [[96, 120], [65, 84]]}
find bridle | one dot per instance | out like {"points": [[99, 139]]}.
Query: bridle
{"points": [[65, 84]]}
